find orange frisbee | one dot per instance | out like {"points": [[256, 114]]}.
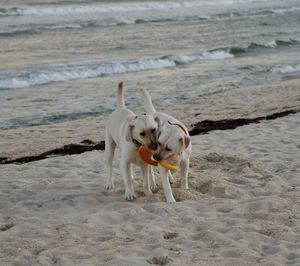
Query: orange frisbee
{"points": [[146, 153], [168, 166]]}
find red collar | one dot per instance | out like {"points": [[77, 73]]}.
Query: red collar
{"points": [[176, 124]]}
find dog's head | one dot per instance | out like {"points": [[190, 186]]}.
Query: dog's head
{"points": [[143, 129], [172, 140]]}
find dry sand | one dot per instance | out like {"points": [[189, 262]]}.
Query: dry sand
{"points": [[242, 208]]}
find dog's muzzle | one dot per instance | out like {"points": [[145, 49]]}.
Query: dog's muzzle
{"points": [[136, 143], [157, 157], [152, 146]]}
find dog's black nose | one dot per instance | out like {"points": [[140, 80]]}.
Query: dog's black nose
{"points": [[157, 157], [152, 146]]}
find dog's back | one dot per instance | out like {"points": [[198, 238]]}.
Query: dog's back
{"points": [[150, 109]]}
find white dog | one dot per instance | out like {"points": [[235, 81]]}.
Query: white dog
{"points": [[174, 146], [128, 132]]}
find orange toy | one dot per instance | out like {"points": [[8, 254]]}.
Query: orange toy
{"points": [[146, 153]]}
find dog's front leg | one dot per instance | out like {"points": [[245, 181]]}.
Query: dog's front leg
{"points": [[125, 172], [184, 166], [153, 186], [166, 184], [145, 172]]}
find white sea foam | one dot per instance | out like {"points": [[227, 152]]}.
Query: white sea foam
{"points": [[82, 70], [213, 55], [217, 54], [73, 10], [272, 44], [54, 73], [286, 69], [91, 69], [285, 10]]}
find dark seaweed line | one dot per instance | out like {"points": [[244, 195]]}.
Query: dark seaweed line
{"points": [[206, 126], [199, 128], [69, 149]]}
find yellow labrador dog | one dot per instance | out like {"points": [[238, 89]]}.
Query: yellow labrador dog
{"points": [[128, 132], [174, 146]]}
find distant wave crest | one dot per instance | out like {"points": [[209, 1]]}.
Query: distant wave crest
{"points": [[33, 29], [254, 46], [75, 10], [285, 10], [119, 21]]}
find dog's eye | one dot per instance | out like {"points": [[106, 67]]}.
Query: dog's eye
{"points": [[158, 143], [168, 149], [153, 130], [143, 134]]}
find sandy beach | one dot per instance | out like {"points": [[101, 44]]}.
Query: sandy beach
{"points": [[242, 208], [228, 69]]}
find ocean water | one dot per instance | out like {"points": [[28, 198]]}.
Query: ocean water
{"points": [[62, 60]]}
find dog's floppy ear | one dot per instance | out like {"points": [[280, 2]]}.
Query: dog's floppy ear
{"points": [[158, 121], [130, 127], [129, 132], [186, 140]]}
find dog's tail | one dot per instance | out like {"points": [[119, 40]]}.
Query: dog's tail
{"points": [[120, 95], [148, 102]]}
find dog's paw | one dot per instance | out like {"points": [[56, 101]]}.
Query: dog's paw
{"points": [[129, 195], [171, 179], [184, 186], [154, 188], [171, 200], [147, 192], [109, 185]]}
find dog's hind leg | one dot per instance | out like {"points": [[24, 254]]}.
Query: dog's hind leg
{"points": [[110, 147], [184, 166]]}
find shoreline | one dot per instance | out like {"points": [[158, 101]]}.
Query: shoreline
{"points": [[199, 128], [249, 102]]}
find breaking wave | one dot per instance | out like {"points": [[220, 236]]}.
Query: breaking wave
{"points": [[91, 69], [285, 10], [286, 69], [255, 47]]}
